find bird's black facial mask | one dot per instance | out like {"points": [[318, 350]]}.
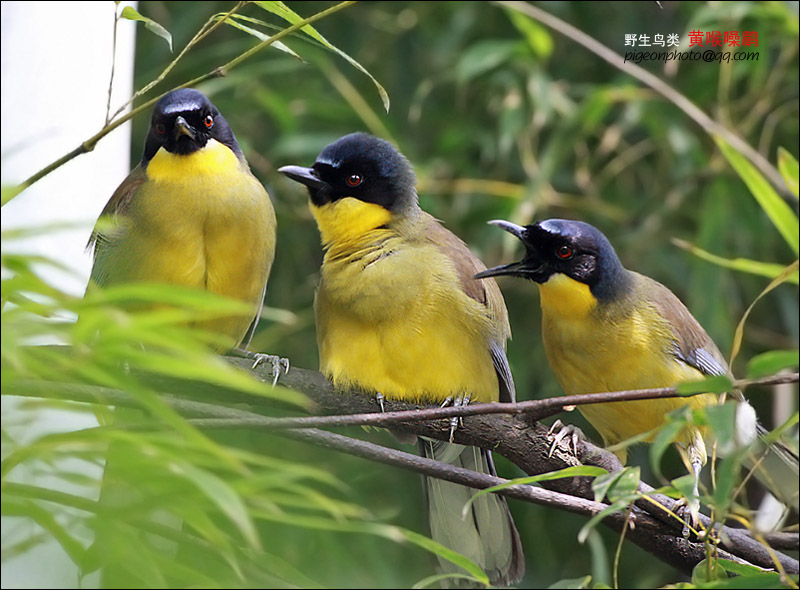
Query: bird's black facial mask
{"points": [[572, 248], [359, 166], [183, 122]]}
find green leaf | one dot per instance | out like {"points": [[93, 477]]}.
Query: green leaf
{"points": [[740, 569], [19, 507], [597, 518], [280, 9], [142, 563], [728, 473], [579, 583], [751, 581], [149, 24], [773, 205], [769, 363], [221, 494], [447, 553], [483, 57], [666, 435], [708, 570], [684, 485], [722, 419], [602, 483], [774, 435], [755, 267], [392, 533], [617, 486], [788, 168], [625, 486], [715, 384], [739, 333], [8, 192], [537, 36], [234, 22]]}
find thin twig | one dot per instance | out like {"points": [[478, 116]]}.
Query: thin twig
{"points": [[536, 409], [208, 27], [113, 63]]}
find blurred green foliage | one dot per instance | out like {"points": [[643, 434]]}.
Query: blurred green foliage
{"points": [[502, 118]]}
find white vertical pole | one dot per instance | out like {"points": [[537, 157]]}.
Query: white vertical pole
{"points": [[56, 64]]}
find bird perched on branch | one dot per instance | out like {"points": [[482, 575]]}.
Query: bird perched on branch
{"points": [[398, 313], [606, 328], [191, 214]]}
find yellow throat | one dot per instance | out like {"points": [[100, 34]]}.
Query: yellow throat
{"points": [[566, 297]]}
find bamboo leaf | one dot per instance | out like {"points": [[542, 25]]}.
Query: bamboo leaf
{"points": [[537, 36], [225, 497], [665, 436], [776, 208], [280, 9], [597, 518], [722, 419], [755, 267], [737, 338], [234, 22], [131, 14], [788, 168], [617, 485], [769, 363]]}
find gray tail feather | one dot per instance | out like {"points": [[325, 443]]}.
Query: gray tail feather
{"points": [[769, 464], [487, 536]]}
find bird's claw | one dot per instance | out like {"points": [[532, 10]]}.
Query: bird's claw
{"points": [[563, 431], [380, 397], [458, 401], [688, 511], [277, 363], [687, 508]]}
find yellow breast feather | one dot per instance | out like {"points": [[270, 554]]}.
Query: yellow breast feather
{"points": [[591, 351], [392, 318], [200, 221]]}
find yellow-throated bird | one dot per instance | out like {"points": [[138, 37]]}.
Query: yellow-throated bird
{"points": [[606, 328], [398, 312], [191, 214]]}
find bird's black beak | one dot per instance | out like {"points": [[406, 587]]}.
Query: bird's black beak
{"points": [[306, 176], [527, 267], [183, 128], [514, 269]]}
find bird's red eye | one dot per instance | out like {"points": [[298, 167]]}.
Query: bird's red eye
{"points": [[565, 252], [208, 121], [160, 129], [354, 180]]}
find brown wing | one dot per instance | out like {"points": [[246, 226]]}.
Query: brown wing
{"points": [[117, 205], [483, 291], [465, 261], [691, 343]]}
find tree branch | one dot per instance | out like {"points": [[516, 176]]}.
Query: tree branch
{"points": [[517, 437]]}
